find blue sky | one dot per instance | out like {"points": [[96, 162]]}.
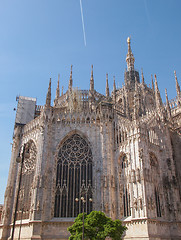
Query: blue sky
{"points": [[40, 39]]}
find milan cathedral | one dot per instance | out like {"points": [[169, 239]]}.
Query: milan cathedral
{"points": [[121, 149]]}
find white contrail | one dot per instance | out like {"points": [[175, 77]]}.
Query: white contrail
{"points": [[82, 21]]}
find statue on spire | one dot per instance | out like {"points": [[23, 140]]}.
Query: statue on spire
{"points": [[129, 58]]}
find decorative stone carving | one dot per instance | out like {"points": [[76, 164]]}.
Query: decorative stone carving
{"points": [[149, 202], [112, 182], [38, 206], [113, 207], [105, 181], [135, 204], [129, 177], [140, 203], [133, 176], [140, 154], [8, 192], [152, 203], [138, 178], [3, 215], [106, 207], [29, 162]]}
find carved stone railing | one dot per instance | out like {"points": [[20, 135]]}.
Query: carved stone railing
{"points": [[35, 123], [173, 103], [39, 108]]}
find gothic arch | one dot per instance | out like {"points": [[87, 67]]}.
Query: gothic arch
{"points": [[73, 176], [28, 170]]}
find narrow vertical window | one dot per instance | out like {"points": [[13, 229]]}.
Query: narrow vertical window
{"points": [[157, 201], [126, 203], [74, 177], [24, 201]]}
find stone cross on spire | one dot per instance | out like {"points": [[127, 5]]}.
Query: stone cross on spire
{"points": [[129, 58]]}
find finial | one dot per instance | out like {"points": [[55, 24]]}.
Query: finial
{"points": [[114, 90], [62, 91], [70, 80], [92, 80], [107, 86], [48, 97], [166, 94], [157, 94], [153, 88], [143, 80], [58, 89], [167, 104], [129, 58], [177, 86], [114, 84], [175, 74], [155, 80]]}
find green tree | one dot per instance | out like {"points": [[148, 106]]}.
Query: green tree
{"points": [[97, 226]]}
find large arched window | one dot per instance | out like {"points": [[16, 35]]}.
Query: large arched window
{"points": [[28, 169], [73, 178]]}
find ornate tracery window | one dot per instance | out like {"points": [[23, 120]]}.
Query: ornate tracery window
{"points": [[28, 169], [73, 178]]}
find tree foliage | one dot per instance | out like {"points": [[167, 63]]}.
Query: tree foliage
{"points": [[97, 226]]}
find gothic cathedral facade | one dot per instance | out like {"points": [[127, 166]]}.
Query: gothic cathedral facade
{"points": [[121, 149]]}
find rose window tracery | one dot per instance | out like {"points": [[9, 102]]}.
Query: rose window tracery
{"points": [[74, 177]]}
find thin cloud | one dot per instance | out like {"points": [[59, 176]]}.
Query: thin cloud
{"points": [[82, 21]]}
